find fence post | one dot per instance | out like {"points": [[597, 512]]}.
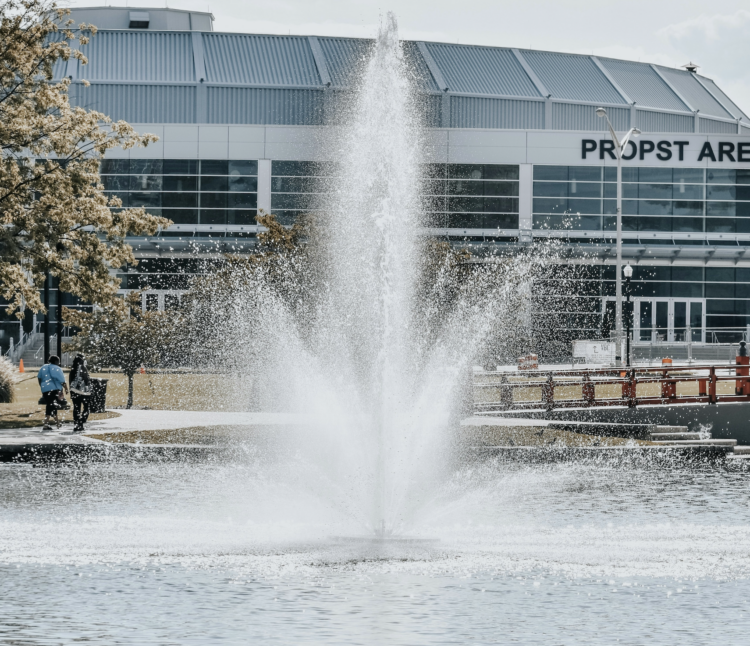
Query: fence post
{"points": [[548, 393], [712, 386], [588, 390], [632, 400], [506, 393]]}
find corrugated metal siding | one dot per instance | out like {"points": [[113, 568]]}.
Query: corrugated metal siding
{"points": [[259, 60], [344, 57], [140, 103], [643, 85], [430, 107], [572, 77], [139, 56], [661, 122], [566, 116], [481, 70], [473, 112], [745, 131], [695, 94], [708, 126], [724, 98], [265, 106]]}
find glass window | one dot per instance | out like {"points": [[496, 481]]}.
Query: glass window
{"points": [[180, 167], [145, 199], [214, 183], [180, 183], [551, 189], [145, 183], [687, 274], [719, 274], [584, 206], [179, 200], [213, 200], [655, 175], [116, 182], [551, 173], [654, 224], [243, 184], [501, 188], [237, 167], [687, 208], [114, 166], [654, 207], [720, 225], [218, 216], [146, 166], [465, 187], [242, 200], [721, 176], [585, 173], [655, 191], [584, 189], [496, 171], [546, 205], [214, 167], [721, 192], [236, 216], [683, 191], [687, 224], [688, 175]]}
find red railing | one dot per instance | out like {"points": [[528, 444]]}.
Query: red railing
{"points": [[707, 378]]}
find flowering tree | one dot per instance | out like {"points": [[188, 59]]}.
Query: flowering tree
{"points": [[112, 337], [54, 216]]}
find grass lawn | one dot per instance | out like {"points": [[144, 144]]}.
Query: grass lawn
{"points": [[26, 412], [167, 391]]}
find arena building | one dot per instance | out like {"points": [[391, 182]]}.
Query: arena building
{"points": [[517, 154]]}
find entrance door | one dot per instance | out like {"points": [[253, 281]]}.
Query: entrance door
{"points": [[669, 320]]}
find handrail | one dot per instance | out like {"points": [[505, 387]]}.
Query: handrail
{"points": [[706, 376]]}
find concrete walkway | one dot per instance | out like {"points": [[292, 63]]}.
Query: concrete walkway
{"points": [[164, 420]]}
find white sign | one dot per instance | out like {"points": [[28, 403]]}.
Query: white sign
{"points": [[594, 351]]}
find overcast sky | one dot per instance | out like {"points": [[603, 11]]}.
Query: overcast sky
{"points": [[715, 35]]}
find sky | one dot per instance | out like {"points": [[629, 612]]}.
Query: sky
{"points": [[667, 32]]}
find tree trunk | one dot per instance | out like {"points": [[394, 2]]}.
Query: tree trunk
{"points": [[130, 390]]}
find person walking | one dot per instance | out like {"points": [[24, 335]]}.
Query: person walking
{"points": [[80, 391], [52, 382]]}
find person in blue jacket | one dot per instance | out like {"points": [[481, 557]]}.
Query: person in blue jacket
{"points": [[52, 382]]}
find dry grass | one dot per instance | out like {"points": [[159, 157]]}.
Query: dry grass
{"points": [[538, 436], [26, 412]]}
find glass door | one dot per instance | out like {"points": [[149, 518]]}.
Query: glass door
{"points": [[669, 320]]}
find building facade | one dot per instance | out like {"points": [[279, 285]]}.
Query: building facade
{"points": [[516, 155]]}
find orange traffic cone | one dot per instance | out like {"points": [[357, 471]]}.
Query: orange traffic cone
{"points": [[20, 366], [143, 369]]}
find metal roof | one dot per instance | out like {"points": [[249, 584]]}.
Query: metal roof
{"points": [[696, 95], [556, 90], [237, 59], [573, 77], [482, 70], [643, 85]]}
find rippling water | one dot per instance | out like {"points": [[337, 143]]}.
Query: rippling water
{"points": [[203, 554]]}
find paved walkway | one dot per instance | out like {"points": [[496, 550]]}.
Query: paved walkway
{"points": [[162, 420]]}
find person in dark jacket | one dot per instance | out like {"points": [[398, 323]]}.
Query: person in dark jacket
{"points": [[80, 392], [52, 382]]}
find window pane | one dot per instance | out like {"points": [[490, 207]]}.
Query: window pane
{"points": [[720, 192], [180, 183], [213, 200], [655, 175], [242, 200], [237, 167], [145, 199], [146, 166], [465, 187], [179, 199], [687, 224], [214, 183], [145, 182], [584, 189], [180, 167], [721, 176], [684, 191], [688, 175], [181, 216], [687, 208], [496, 171], [214, 167], [654, 207], [553, 173], [585, 173], [501, 188], [657, 191], [243, 184], [114, 166], [213, 217], [546, 205], [551, 189], [241, 216]]}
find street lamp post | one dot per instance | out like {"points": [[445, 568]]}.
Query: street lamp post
{"points": [[619, 147], [627, 271]]}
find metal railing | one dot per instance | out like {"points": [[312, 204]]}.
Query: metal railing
{"points": [[625, 382]]}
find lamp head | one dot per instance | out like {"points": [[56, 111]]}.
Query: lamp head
{"points": [[601, 112], [627, 271], [636, 132]]}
